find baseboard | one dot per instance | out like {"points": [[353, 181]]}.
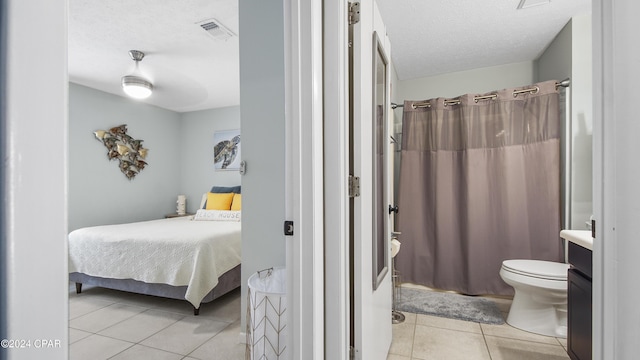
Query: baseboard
{"points": [[242, 338]]}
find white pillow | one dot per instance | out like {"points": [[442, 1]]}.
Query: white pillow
{"points": [[217, 215]]}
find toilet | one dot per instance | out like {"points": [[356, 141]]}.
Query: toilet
{"points": [[540, 301]]}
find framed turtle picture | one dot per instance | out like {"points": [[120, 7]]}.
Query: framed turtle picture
{"points": [[226, 150]]}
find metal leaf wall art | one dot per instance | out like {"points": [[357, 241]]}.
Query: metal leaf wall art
{"points": [[127, 150]]}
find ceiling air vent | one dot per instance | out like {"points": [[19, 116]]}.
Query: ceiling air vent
{"points": [[214, 28], [531, 3]]}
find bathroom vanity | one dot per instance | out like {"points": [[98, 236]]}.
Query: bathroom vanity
{"points": [[579, 301]]}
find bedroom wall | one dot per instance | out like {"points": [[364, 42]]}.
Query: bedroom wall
{"points": [[99, 193], [197, 173], [262, 99]]}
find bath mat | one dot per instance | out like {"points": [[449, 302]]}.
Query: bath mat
{"points": [[449, 305]]}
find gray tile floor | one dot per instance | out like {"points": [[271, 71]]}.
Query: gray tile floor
{"points": [[109, 324]]}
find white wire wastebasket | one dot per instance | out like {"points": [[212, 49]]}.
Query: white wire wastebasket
{"points": [[266, 315]]}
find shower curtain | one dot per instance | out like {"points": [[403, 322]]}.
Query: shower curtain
{"points": [[479, 184]]}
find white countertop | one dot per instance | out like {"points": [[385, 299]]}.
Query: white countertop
{"points": [[578, 237]]}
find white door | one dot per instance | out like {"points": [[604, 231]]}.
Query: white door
{"points": [[370, 142]]}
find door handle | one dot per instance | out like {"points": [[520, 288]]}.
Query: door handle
{"points": [[393, 209]]}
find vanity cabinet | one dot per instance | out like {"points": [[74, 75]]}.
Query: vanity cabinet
{"points": [[579, 302]]}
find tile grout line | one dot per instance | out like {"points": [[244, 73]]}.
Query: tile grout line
{"points": [[484, 338], [79, 316], [209, 339], [148, 347], [524, 340], [140, 342], [413, 340], [111, 357], [114, 324], [111, 337], [145, 309]]}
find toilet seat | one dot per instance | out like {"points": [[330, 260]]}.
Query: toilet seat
{"points": [[540, 269]]}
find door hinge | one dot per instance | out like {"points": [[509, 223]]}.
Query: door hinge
{"points": [[352, 353], [354, 13], [354, 186]]}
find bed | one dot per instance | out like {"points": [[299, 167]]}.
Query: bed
{"points": [[195, 258]]}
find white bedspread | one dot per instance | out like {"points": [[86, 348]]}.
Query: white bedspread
{"points": [[175, 251]]}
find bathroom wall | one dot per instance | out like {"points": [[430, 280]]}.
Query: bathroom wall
{"points": [[582, 122], [555, 64], [569, 56], [479, 80]]}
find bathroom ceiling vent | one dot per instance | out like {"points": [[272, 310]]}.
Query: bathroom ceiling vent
{"points": [[214, 28], [531, 3]]}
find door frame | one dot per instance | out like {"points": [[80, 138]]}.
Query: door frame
{"points": [[605, 338], [304, 178], [336, 200], [37, 278], [615, 173]]}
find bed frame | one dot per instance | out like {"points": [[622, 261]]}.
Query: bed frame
{"points": [[227, 282]]}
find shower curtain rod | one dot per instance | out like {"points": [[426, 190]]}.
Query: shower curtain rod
{"points": [[564, 83]]}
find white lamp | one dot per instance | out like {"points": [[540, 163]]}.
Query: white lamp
{"points": [[134, 85]]}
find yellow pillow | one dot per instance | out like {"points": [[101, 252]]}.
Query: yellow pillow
{"points": [[219, 201], [237, 202]]}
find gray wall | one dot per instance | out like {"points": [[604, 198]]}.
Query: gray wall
{"points": [[582, 120], [569, 56], [555, 61], [555, 64], [180, 158], [263, 136], [479, 80], [197, 174], [99, 193]]}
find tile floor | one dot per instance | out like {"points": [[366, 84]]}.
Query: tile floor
{"points": [[423, 337], [109, 324]]}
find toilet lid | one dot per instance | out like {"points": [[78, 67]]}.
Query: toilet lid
{"points": [[537, 268]]}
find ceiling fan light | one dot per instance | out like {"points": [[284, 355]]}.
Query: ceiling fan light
{"points": [[136, 87]]}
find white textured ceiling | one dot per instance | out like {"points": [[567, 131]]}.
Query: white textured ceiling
{"points": [[192, 71], [430, 37]]}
